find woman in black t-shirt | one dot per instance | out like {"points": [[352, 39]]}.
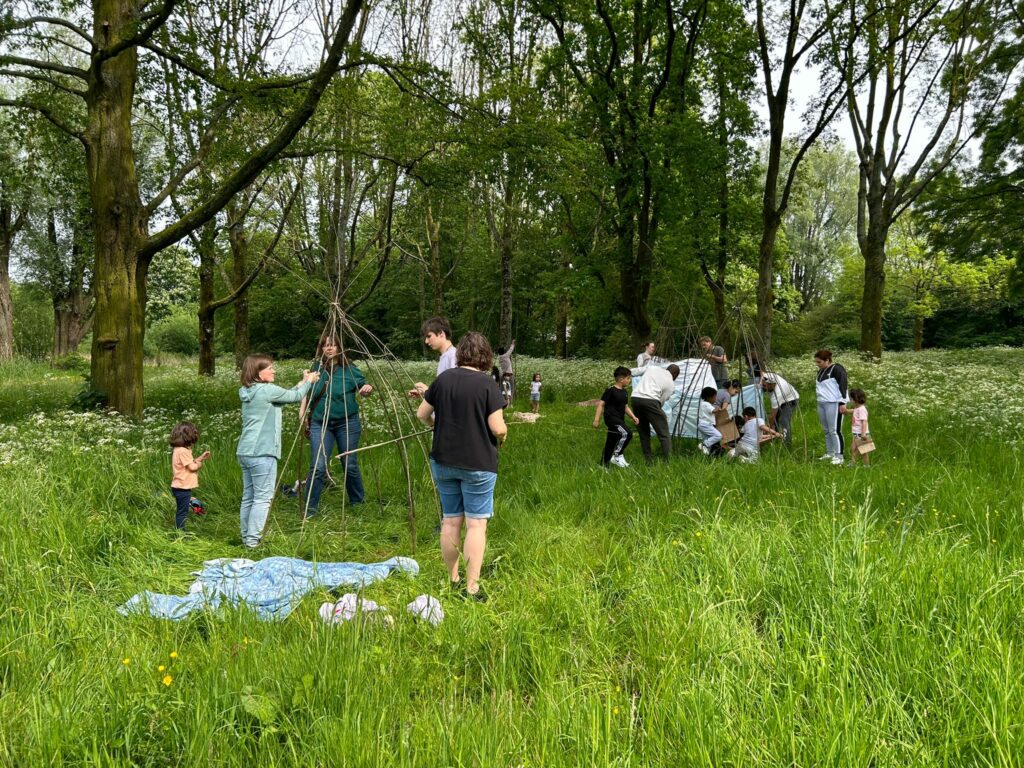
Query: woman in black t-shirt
{"points": [[464, 406]]}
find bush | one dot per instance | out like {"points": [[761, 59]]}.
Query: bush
{"points": [[33, 322], [177, 333]]}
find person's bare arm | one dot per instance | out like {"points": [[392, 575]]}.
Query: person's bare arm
{"points": [[425, 413], [629, 412], [597, 414], [496, 423]]}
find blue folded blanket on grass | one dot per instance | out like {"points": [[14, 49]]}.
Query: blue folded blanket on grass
{"points": [[272, 587]]}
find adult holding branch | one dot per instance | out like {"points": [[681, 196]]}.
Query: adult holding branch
{"points": [[716, 356], [831, 388], [437, 334], [259, 447], [332, 408], [464, 407]]}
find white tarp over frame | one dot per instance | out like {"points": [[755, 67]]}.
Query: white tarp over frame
{"points": [[694, 375]]}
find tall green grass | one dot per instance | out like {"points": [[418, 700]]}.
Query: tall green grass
{"points": [[694, 613]]}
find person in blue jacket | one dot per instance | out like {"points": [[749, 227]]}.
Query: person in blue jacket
{"points": [[259, 447], [334, 425]]}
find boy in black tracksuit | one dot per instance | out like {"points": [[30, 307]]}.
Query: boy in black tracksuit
{"points": [[615, 407]]}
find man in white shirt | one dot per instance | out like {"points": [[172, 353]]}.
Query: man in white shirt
{"points": [[437, 335], [784, 399], [655, 388]]}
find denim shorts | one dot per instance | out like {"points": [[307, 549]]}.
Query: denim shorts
{"points": [[534, 398], [464, 492]]}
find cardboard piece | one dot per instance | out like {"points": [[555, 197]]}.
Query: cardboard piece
{"points": [[725, 425], [867, 446]]}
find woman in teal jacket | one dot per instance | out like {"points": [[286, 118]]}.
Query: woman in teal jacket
{"points": [[259, 447], [334, 422]]}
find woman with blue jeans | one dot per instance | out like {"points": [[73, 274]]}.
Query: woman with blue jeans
{"points": [[259, 447], [831, 390], [334, 424], [464, 406]]}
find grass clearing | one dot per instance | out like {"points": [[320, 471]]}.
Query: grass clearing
{"points": [[695, 613]]}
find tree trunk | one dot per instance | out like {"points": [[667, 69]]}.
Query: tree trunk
{"points": [[771, 222], [505, 322], [8, 229], [437, 275], [207, 314], [562, 327], [119, 226], [638, 227], [918, 333], [873, 251], [242, 339], [506, 244], [6, 312], [70, 300]]}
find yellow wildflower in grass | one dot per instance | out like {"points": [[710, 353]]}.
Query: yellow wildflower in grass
{"points": [[161, 668], [167, 680], [126, 661], [174, 654], [615, 711]]}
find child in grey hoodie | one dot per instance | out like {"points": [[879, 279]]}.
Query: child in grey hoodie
{"points": [[259, 446]]}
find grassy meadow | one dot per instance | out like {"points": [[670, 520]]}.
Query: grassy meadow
{"points": [[698, 612]]}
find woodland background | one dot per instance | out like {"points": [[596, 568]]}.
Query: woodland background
{"points": [[207, 178]]}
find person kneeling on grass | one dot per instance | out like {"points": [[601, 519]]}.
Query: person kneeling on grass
{"points": [[711, 445], [615, 407], [749, 446], [464, 406]]}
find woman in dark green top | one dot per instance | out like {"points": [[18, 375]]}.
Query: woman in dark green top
{"points": [[334, 425]]}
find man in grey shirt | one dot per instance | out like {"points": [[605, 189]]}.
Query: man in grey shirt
{"points": [[718, 359], [655, 388]]}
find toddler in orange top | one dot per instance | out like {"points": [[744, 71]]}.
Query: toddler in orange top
{"points": [[184, 468]]}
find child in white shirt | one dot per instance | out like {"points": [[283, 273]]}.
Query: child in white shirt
{"points": [[749, 446], [535, 386], [712, 442]]}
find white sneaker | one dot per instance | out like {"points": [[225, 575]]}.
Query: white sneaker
{"points": [[619, 461], [705, 450], [826, 457], [748, 460], [837, 461]]}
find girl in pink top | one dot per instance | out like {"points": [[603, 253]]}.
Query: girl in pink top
{"points": [[184, 468], [859, 426]]}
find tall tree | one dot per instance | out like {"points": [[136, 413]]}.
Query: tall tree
{"points": [[788, 34], [632, 63], [911, 68], [96, 58], [819, 223]]}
